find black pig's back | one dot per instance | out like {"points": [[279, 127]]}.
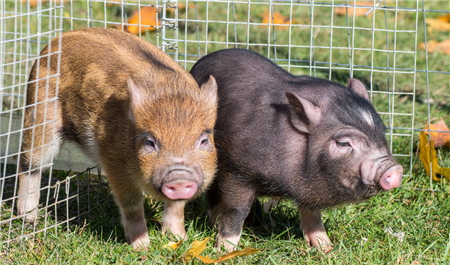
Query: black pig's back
{"points": [[253, 118]]}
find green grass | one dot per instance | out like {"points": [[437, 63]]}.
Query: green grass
{"points": [[358, 230]]}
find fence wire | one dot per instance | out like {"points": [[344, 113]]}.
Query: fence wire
{"points": [[327, 39]]}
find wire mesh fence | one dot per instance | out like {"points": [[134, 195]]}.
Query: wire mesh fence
{"points": [[375, 41]]}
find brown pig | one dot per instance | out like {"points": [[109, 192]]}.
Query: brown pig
{"points": [[133, 110]]}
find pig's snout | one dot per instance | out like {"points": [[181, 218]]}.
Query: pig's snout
{"points": [[179, 184], [392, 178], [179, 189]]}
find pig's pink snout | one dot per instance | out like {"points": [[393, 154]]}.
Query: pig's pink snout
{"points": [[392, 178], [179, 189]]}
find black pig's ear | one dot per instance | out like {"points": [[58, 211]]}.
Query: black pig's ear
{"points": [[303, 112], [209, 89], [358, 87]]}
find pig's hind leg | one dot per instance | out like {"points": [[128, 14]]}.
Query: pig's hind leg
{"points": [[235, 201], [41, 142]]}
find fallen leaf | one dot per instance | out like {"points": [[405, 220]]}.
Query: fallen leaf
{"points": [[445, 18], [439, 138], [342, 11], [198, 247], [438, 24], [244, 252], [278, 18], [34, 3], [148, 20], [427, 155], [432, 45], [173, 245]]}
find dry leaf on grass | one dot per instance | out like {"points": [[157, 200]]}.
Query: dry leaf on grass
{"points": [[33, 3], [439, 138], [432, 45], [445, 18], [148, 20], [198, 247], [428, 154], [437, 24], [342, 11], [278, 18]]}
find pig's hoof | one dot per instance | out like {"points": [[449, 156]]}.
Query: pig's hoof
{"points": [[326, 248], [140, 243], [30, 216]]}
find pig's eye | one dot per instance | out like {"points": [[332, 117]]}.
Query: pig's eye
{"points": [[150, 144], [343, 144], [203, 143]]}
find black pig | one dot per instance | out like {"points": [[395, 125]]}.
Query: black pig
{"points": [[299, 137]]}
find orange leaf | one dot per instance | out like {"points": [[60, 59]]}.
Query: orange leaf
{"points": [[439, 138], [445, 18], [148, 20], [432, 45], [428, 156], [437, 24], [342, 11], [278, 18], [34, 3]]}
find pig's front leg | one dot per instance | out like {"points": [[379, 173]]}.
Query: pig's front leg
{"points": [[314, 231], [173, 218], [232, 211], [130, 200]]}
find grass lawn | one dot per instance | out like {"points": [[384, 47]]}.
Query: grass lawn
{"points": [[407, 225]]}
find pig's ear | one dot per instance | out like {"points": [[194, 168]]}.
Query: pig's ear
{"points": [[303, 112], [137, 96], [358, 87], [209, 89]]}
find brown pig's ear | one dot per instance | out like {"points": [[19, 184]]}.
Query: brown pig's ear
{"points": [[303, 112], [358, 87], [137, 97], [209, 90]]}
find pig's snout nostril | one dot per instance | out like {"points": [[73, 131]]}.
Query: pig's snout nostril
{"points": [[392, 178]]}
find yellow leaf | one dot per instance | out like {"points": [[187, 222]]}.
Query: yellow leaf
{"points": [[173, 245], [438, 24], [428, 153], [196, 248], [244, 252]]}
